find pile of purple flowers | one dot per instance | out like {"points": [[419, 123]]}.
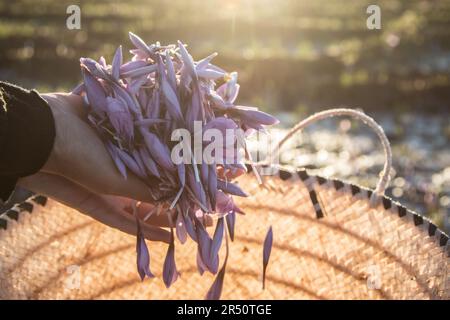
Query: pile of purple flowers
{"points": [[136, 105]]}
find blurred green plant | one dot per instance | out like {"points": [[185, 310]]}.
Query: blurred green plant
{"points": [[288, 52]]}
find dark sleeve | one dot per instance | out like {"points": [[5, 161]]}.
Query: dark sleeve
{"points": [[27, 133]]}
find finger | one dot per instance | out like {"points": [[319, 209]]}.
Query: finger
{"points": [[99, 209], [153, 215], [89, 203]]}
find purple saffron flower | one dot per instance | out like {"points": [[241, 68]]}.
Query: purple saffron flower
{"points": [[116, 63], [143, 256], [171, 72], [121, 93], [117, 161], [225, 204], [215, 245], [190, 229], [130, 162], [193, 112], [140, 44], [95, 93], [170, 273], [181, 228], [250, 114], [95, 68], [132, 65], [202, 64], [222, 124], [143, 97], [218, 102], [137, 157], [266, 253], [196, 187], [154, 108], [138, 55], [229, 90], [201, 267], [215, 291], [188, 61], [212, 185], [138, 72], [135, 84], [102, 62], [158, 150], [120, 118], [231, 222], [204, 242], [135, 105], [172, 103], [231, 188], [149, 163], [210, 74]]}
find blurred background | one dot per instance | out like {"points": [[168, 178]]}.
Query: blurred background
{"points": [[294, 57]]}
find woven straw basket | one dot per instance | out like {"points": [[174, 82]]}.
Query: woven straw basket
{"points": [[354, 252]]}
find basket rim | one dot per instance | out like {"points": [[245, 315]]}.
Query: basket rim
{"points": [[361, 192]]}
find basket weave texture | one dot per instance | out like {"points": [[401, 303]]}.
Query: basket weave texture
{"points": [[353, 252]]}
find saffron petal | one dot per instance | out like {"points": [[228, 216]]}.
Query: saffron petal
{"points": [[215, 291], [130, 162], [254, 115], [116, 63], [170, 273], [268, 241], [171, 71], [138, 72], [151, 165], [212, 185], [201, 267], [202, 64], [204, 244], [190, 227], [215, 245], [132, 65], [158, 150], [139, 43], [143, 255], [117, 161], [188, 61], [181, 228], [95, 93], [231, 188]]}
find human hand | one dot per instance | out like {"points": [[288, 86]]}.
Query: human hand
{"points": [[79, 154]]}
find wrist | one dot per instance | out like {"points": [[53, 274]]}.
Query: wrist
{"points": [[51, 165]]}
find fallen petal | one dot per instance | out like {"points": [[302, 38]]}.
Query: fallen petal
{"points": [[266, 253], [231, 221]]}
